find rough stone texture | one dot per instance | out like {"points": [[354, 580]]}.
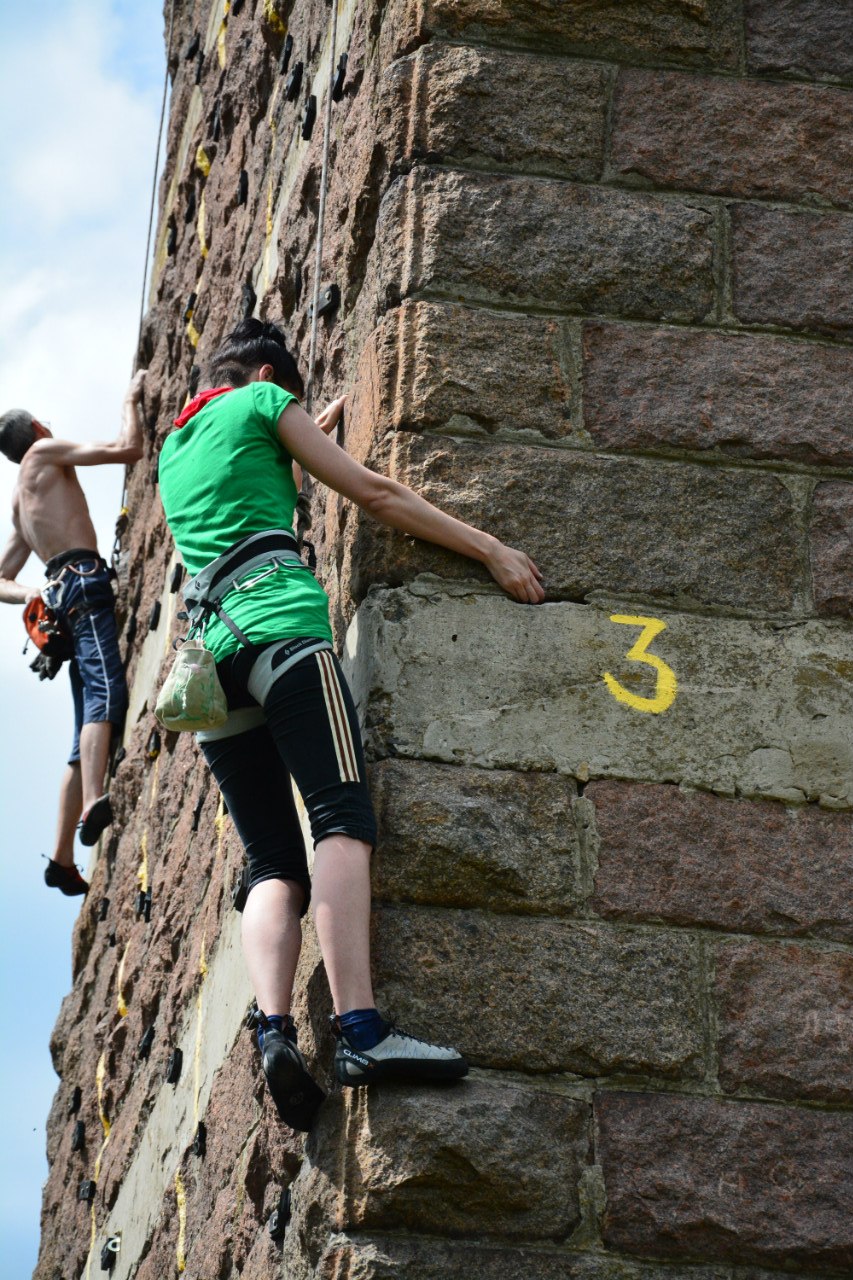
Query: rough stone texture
{"points": [[679, 534], [785, 1016], [473, 679], [545, 243], [700, 33], [432, 366], [689, 858], [743, 395], [481, 107], [481, 1157], [734, 137], [543, 995], [793, 269], [697, 1178], [800, 37], [378, 1259], [832, 548], [475, 838]]}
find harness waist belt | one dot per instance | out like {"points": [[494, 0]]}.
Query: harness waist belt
{"points": [[220, 576], [57, 563]]}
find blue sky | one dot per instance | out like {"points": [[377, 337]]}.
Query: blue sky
{"points": [[80, 86]]}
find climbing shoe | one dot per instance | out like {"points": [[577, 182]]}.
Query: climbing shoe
{"points": [[296, 1096], [397, 1056], [67, 879], [95, 821]]}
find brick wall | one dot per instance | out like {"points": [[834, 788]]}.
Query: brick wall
{"points": [[596, 263]]}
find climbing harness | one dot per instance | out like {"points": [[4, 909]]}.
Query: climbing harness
{"points": [[203, 593]]}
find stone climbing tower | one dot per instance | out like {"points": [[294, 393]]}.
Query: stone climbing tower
{"points": [[587, 278]]}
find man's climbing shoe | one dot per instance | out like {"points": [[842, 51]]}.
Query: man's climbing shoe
{"points": [[66, 879], [397, 1056], [296, 1096], [95, 821]]}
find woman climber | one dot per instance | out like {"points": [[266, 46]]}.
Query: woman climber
{"points": [[228, 491]]}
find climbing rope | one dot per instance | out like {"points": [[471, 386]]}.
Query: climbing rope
{"points": [[156, 166], [303, 509], [121, 523]]}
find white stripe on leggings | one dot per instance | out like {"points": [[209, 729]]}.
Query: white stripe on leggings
{"points": [[338, 719]]}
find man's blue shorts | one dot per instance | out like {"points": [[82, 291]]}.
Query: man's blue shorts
{"points": [[81, 596]]}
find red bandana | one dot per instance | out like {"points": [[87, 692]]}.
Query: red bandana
{"points": [[198, 402]]}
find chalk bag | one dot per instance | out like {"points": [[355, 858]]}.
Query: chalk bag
{"points": [[192, 697]]}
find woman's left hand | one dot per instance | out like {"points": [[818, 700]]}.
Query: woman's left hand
{"points": [[331, 415]]}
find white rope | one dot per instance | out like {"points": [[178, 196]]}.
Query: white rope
{"points": [[321, 217], [303, 505], [156, 166], [117, 542]]}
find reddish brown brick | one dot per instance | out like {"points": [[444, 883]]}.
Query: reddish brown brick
{"points": [[541, 242], [745, 395], [698, 1178], [459, 837], [488, 1157], [793, 269], [832, 547], [446, 367], [785, 1020], [800, 37], [697, 33], [534, 994], [673, 532], [734, 137], [478, 106], [691, 858]]}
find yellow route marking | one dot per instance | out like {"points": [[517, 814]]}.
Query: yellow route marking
{"points": [[202, 160], [120, 1000], [142, 873], [219, 824], [201, 227], [220, 38], [155, 783], [193, 334], [667, 684], [100, 1073], [279, 27], [202, 968], [181, 1197]]}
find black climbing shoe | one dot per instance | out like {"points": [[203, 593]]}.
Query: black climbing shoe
{"points": [[296, 1096], [397, 1056], [95, 821], [67, 879]]}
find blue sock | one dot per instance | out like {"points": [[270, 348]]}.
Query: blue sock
{"points": [[281, 1022], [364, 1028]]}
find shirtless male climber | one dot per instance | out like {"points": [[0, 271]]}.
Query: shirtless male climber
{"points": [[51, 517]]}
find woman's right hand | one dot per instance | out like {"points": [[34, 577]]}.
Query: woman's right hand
{"points": [[515, 573]]}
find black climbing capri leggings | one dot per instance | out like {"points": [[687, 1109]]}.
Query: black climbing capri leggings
{"points": [[310, 733]]}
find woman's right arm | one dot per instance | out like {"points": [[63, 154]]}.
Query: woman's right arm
{"points": [[401, 508]]}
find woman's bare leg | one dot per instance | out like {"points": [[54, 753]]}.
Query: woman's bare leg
{"points": [[272, 936], [340, 897]]}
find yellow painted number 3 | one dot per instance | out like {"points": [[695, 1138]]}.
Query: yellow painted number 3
{"points": [[667, 685]]}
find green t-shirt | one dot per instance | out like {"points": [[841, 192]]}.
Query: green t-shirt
{"points": [[224, 475]]}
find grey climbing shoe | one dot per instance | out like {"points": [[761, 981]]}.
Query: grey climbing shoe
{"points": [[397, 1056], [296, 1096]]}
